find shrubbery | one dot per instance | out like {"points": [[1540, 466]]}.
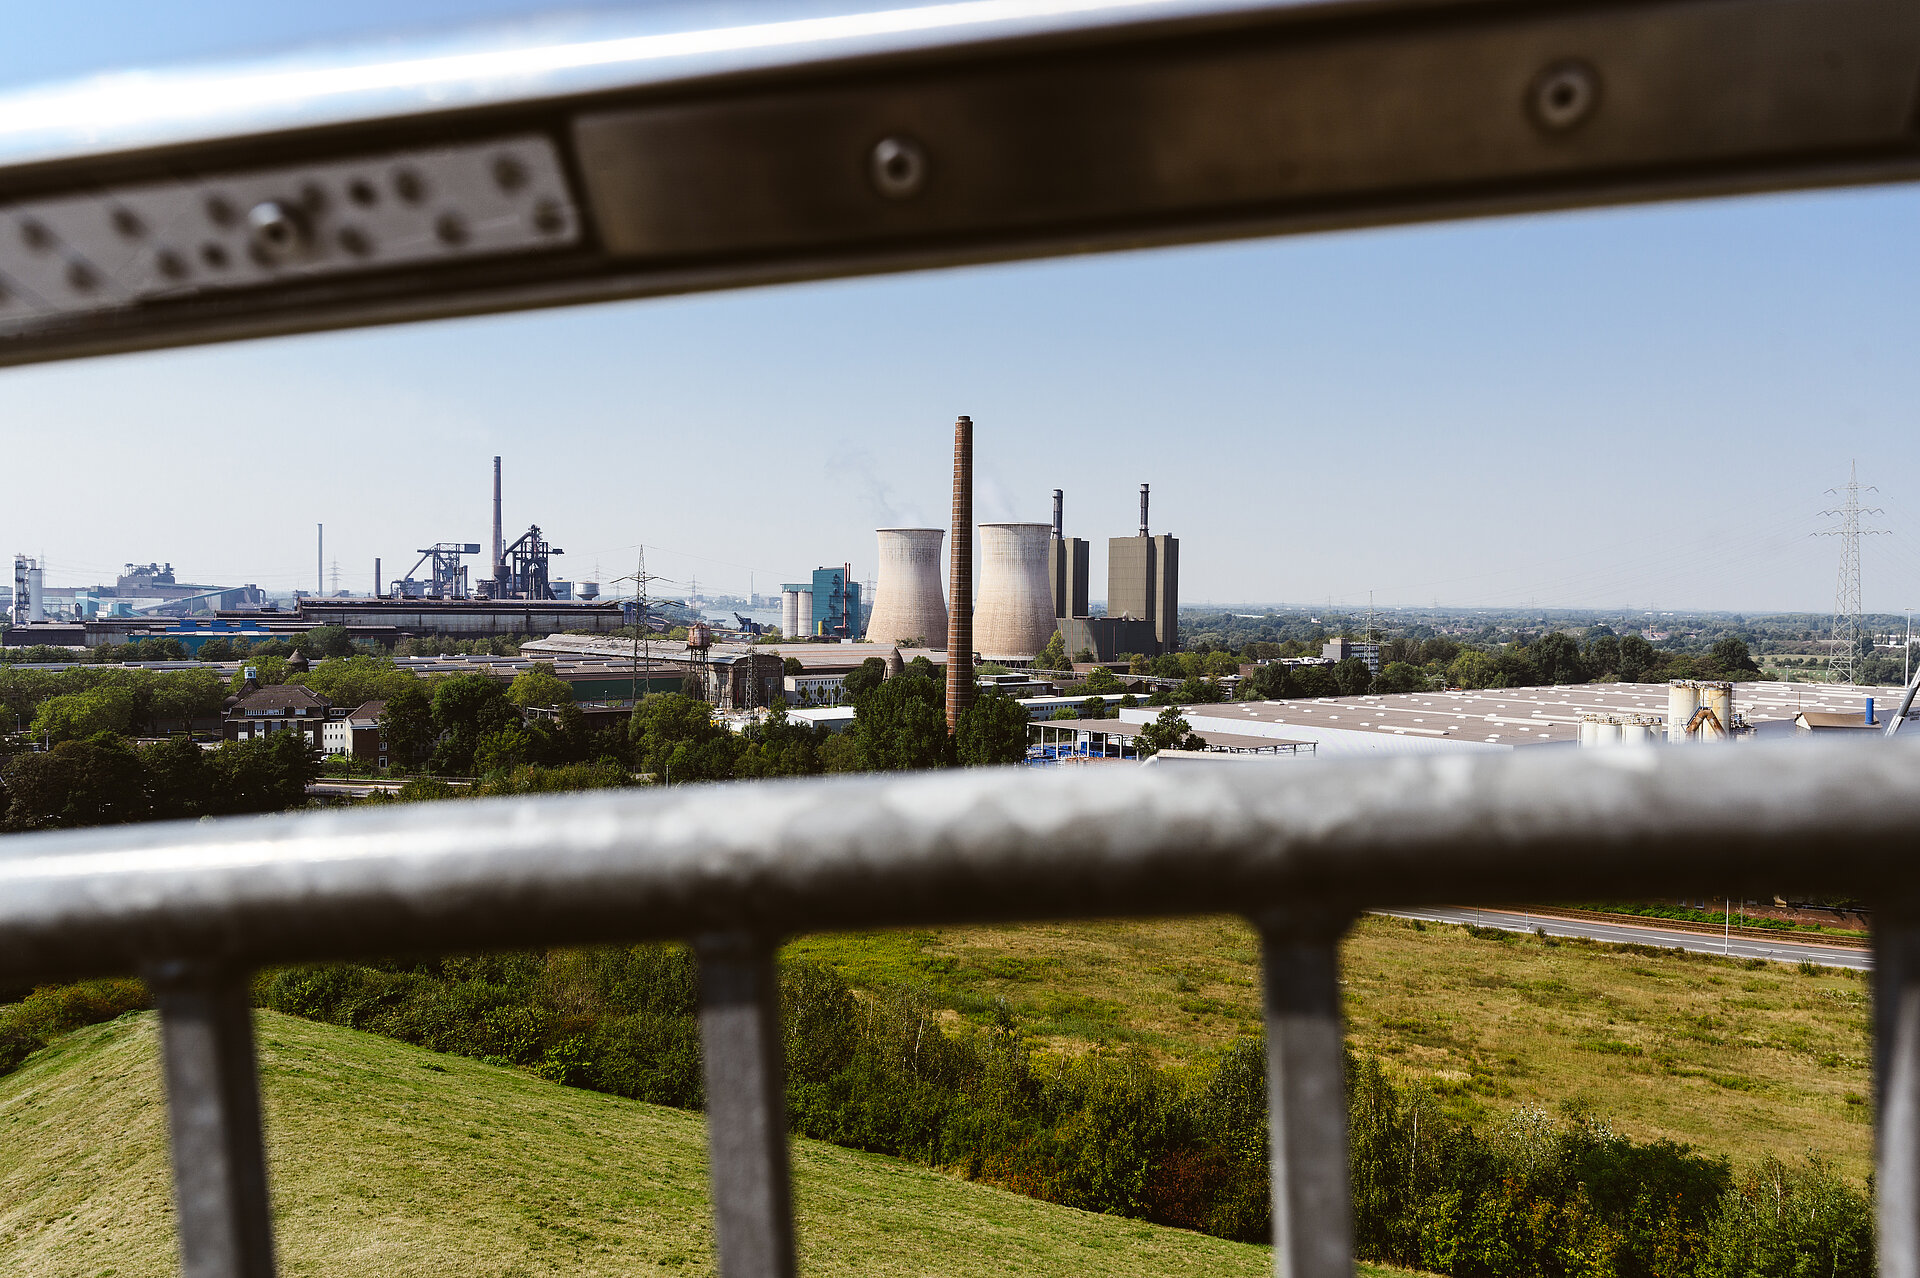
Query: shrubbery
{"points": [[1112, 1132]]}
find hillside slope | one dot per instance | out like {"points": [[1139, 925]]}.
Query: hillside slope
{"points": [[391, 1160]]}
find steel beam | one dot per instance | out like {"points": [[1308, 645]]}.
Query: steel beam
{"points": [[977, 845], [1307, 1094], [1896, 1081], [900, 139], [746, 1106], [213, 1119]]}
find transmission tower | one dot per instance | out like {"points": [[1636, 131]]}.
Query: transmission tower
{"points": [[642, 633], [1844, 648]]}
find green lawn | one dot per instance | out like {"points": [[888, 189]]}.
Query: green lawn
{"points": [[1734, 1059], [391, 1160]]}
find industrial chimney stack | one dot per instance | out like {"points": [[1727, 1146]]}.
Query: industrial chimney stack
{"points": [[960, 581], [499, 546], [1059, 514], [1143, 510]]}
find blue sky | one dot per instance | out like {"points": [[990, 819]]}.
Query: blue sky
{"points": [[1634, 407]]}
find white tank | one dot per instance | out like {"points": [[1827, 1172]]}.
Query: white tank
{"points": [[803, 613], [789, 614], [1683, 698], [1013, 618], [908, 603], [1636, 733], [36, 595], [1718, 697]]}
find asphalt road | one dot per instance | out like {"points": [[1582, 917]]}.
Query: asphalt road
{"points": [[1651, 934]]}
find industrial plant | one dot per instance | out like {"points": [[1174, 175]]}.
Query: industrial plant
{"points": [[908, 603]]}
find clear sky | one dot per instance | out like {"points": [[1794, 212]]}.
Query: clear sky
{"points": [[1619, 408]]}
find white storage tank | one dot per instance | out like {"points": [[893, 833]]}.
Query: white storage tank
{"points": [[1013, 619], [1683, 698], [908, 602], [1718, 697]]}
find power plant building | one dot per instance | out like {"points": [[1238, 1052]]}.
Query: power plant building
{"points": [[1067, 565], [1013, 618], [1143, 581], [909, 606], [827, 606]]}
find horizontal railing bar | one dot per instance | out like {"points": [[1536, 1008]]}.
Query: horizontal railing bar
{"points": [[775, 858], [1027, 128]]}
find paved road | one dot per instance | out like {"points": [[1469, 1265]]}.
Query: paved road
{"points": [[1651, 934]]}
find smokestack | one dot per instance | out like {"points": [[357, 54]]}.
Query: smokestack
{"points": [[1059, 515], [320, 562], [960, 582], [376, 576], [1143, 510], [499, 547]]}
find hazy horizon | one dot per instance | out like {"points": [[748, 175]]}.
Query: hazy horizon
{"points": [[1618, 409]]}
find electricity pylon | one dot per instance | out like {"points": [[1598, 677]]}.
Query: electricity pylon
{"points": [[1844, 648]]}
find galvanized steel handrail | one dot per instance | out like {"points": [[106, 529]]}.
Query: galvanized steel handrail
{"points": [[735, 868]]}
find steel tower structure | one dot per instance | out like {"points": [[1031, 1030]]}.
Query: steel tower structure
{"points": [[1844, 648]]}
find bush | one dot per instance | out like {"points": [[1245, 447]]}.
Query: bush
{"points": [[52, 1010]]}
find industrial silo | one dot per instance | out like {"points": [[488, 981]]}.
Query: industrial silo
{"points": [[1718, 697], [1683, 698], [789, 613], [1013, 618], [803, 613], [908, 603]]}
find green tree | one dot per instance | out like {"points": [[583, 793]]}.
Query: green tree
{"points": [[1602, 656], [1054, 655], [1731, 658], [991, 731], [1398, 676], [266, 774], [1557, 656], [1168, 732], [178, 782], [98, 781], [466, 708], [75, 716], [780, 746], [1473, 669], [326, 641], [502, 750], [1352, 677], [214, 650], [902, 725], [869, 675], [354, 681], [792, 666], [179, 697], [676, 739], [1637, 658], [406, 721], [538, 685]]}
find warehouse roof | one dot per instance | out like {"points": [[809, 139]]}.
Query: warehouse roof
{"points": [[1498, 718]]}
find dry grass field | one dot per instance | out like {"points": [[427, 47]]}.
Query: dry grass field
{"points": [[1731, 1058], [391, 1161]]}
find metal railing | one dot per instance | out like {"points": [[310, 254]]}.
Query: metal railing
{"points": [[733, 869], [672, 160]]}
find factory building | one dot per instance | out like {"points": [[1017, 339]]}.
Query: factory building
{"points": [[1143, 581], [909, 605], [1013, 618], [828, 606], [1337, 650]]}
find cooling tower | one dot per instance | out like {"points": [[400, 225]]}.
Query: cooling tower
{"points": [[1014, 618], [908, 603]]}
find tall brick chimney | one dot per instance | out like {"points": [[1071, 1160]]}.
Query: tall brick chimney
{"points": [[960, 579]]}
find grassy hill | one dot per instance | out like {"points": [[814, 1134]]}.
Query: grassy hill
{"points": [[1735, 1058], [391, 1160]]}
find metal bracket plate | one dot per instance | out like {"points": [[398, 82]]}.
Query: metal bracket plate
{"points": [[120, 247]]}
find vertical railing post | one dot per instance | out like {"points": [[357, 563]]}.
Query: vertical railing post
{"points": [[1307, 1095], [213, 1120], [1896, 1082], [746, 1106]]}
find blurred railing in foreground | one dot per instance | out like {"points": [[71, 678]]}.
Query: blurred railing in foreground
{"points": [[734, 869]]}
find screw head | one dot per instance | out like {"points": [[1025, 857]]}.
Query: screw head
{"points": [[278, 230], [898, 167], [1564, 96]]}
